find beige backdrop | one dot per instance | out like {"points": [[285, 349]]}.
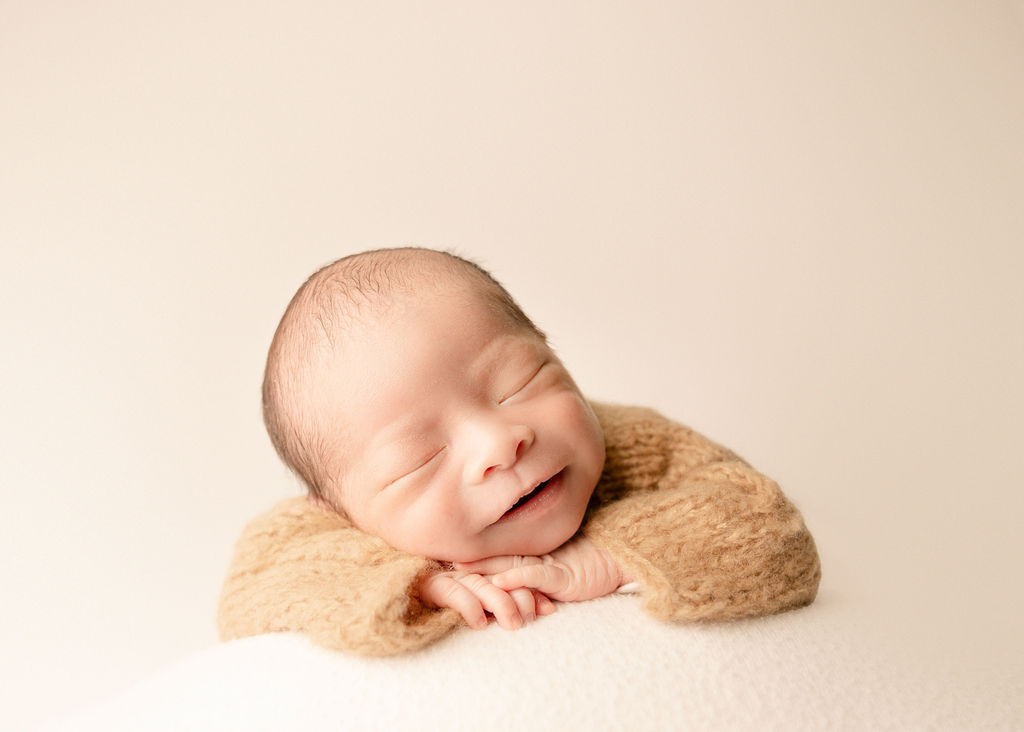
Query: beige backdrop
{"points": [[795, 226]]}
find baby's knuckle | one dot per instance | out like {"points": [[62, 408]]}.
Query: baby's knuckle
{"points": [[503, 602], [451, 591]]}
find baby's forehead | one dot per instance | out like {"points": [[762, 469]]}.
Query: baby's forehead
{"points": [[384, 329], [352, 320], [378, 290]]}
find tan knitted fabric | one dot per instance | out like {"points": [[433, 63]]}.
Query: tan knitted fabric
{"points": [[705, 535]]}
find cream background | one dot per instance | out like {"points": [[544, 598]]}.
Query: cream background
{"points": [[796, 227]]}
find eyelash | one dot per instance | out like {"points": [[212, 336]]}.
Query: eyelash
{"points": [[421, 465], [523, 385]]}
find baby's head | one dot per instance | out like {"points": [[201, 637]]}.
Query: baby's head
{"points": [[409, 392]]}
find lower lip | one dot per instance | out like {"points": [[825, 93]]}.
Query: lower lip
{"points": [[541, 501]]}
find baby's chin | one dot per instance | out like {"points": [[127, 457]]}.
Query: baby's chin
{"points": [[544, 539], [534, 546]]}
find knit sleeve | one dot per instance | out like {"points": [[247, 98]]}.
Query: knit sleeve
{"points": [[301, 568], [705, 535]]}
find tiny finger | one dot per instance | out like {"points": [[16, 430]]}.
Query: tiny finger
{"points": [[496, 601], [544, 604], [493, 565], [543, 577], [526, 602], [460, 599]]}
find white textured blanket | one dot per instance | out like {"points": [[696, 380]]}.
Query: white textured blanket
{"points": [[596, 665]]}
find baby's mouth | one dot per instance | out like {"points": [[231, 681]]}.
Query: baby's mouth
{"points": [[526, 499], [535, 497]]}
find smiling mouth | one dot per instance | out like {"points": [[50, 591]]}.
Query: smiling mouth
{"points": [[526, 499], [534, 499]]}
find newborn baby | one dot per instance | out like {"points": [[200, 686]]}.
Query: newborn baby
{"points": [[450, 457]]}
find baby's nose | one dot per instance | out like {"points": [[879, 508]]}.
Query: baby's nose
{"points": [[496, 446]]}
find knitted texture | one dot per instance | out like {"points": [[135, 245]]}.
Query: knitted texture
{"points": [[705, 535], [300, 567]]}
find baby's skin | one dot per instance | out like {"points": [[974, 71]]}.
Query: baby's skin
{"points": [[517, 589], [459, 435]]}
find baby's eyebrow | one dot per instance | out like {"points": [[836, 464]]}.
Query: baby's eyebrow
{"points": [[511, 353], [397, 444], [407, 428]]}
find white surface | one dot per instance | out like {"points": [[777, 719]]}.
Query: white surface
{"points": [[797, 229], [599, 665]]}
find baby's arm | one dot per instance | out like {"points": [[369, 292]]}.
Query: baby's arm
{"points": [[704, 534], [299, 567]]}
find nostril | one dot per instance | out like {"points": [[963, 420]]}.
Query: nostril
{"points": [[497, 456]]}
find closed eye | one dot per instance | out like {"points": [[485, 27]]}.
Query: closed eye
{"points": [[523, 384], [419, 465]]}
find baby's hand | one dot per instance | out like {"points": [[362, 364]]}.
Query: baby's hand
{"points": [[573, 572], [473, 596]]}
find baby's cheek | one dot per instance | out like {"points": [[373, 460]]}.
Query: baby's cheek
{"points": [[429, 527], [582, 427]]}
